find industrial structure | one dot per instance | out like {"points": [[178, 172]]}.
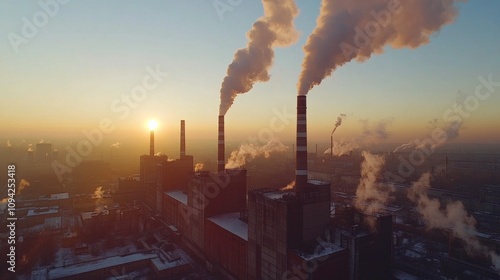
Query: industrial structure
{"points": [[269, 233]]}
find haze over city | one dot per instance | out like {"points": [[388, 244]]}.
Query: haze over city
{"points": [[92, 54]]}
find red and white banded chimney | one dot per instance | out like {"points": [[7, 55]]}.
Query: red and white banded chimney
{"points": [[221, 159], [183, 138], [301, 150]]}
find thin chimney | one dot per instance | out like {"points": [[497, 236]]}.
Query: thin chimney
{"points": [[301, 154], [152, 143], [221, 159], [183, 138]]}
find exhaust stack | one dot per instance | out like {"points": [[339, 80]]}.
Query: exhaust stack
{"points": [[301, 150], [183, 138], [221, 159], [152, 143]]}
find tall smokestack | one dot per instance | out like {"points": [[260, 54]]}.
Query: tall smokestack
{"points": [[183, 138], [221, 151], [152, 143], [301, 154]]}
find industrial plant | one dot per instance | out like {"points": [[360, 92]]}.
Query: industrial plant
{"points": [[358, 208]]}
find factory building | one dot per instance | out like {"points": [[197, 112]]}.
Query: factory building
{"points": [[159, 174], [277, 234], [43, 152]]}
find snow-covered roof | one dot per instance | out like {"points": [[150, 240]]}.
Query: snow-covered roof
{"points": [[179, 196], [59, 196], [43, 211], [322, 250], [75, 269], [232, 223], [164, 265], [52, 223], [317, 182], [275, 195]]}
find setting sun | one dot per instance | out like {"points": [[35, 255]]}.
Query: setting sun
{"points": [[152, 124]]}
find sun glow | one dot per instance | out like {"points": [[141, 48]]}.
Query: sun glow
{"points": [[153, 124]]}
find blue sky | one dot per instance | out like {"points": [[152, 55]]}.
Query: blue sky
{"points": [[93, 52]]}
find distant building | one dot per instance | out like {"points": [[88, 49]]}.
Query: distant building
{"points": [[150, 174], [43, 152]]}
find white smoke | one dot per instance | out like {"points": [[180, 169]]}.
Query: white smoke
{"points": [[290, 186], [98, 195], [199, 166], [251, 64], [452, 217], [8, 144], [370, 195], [371, 133], [451, 129], [115, 145], [355, 29], [338, 122], [343, 147], [22, 185], [248, 152]]}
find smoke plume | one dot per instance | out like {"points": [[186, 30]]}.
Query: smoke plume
{"points": [[376, 131], [8, 144], [355, 29], [22, 185], [199, 166], [98, 195], [251, 64], [343, 147], [452, 217], [289, 186], [404, 147], [247, 152], [30, 147], [41, 141], [370, 195], [338, 122], [371, 133], [115, 145]]}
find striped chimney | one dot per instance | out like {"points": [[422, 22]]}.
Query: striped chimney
{"points": [[221, 151], [301, 150], [183, 138]]}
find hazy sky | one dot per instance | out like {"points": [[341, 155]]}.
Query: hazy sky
{"points": [[76, 68]]}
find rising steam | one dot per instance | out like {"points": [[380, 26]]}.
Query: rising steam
{"points": [[371, 133], [338, 122], [370, 195], [22, 185], [355, 29], [343, 147], [289, 186], [453, 217], [247, 152], [251, 64], [199, 166], [450, 128]]}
